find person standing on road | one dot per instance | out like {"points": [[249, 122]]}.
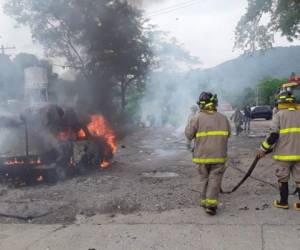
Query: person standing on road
{"points": [[237, 118], [247, 119], [211, 131], [194, 110], [284, 139]]}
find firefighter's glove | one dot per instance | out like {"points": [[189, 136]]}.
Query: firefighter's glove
{"points": [[260, 153]]}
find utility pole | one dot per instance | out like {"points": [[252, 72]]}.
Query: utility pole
{"points": [[3, 49], [257, 96]]}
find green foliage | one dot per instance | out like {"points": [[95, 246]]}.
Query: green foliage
{"points": [[268, 89], [263, 19], [265, 91], [133, 101]]}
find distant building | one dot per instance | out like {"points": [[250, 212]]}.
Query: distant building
{"points": [[36, 85]]}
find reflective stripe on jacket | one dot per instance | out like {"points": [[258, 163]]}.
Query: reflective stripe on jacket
{"points": [[211, 132], [287, 124]]}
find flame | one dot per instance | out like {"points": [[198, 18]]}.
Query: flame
{"points": [[99, 127], [15, 161], [38, 161], [81, 134], [40, 179], [63, 136], [66, 135], [105, 164]]}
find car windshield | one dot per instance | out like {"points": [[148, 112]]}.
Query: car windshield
{"points": [[260, 109]]}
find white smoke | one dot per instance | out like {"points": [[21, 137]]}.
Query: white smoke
{"points": [[171, 90]]}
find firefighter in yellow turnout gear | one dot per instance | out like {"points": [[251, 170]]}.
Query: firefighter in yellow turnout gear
{"points": [[211, 131], [284, 138]]}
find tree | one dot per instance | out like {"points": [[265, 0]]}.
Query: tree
{"points": [[103, 39], [263, 19], [268, 88]]}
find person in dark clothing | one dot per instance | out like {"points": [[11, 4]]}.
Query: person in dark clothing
{"points": [[237, 117], [247, 119]]}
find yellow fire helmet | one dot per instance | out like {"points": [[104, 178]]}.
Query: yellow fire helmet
{"points": [[286, 98], [208, 101]]}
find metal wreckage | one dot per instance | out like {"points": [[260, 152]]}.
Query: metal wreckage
{"points": [[48, 142]]}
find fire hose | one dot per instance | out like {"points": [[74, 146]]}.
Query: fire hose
{"points": [[248, 174]]}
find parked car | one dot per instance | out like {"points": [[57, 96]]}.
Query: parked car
{"points": [[264, 112]]}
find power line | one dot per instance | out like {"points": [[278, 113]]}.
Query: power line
{"points": [[183, 7], [3, 49], [66, 66], [173, 8]]}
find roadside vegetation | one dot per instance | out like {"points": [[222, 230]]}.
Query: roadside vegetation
{"points": [[263, 93]]}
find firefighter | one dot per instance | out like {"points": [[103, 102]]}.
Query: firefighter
{"points": [[284, 139], [237, 118], [194, 110], [210, 130]]}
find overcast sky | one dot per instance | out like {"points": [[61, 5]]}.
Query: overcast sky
{"points": [[10, 36], [204, 27]]}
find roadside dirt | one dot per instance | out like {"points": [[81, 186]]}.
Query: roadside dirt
{"points": [[152, 171]]}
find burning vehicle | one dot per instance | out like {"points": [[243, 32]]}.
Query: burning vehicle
{"points": [[48, 141], [51, 143]]}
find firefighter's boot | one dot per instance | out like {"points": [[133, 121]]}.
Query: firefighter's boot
{"points": [[211, 210], [297, 204], [211, 206], [284, 194], [203, 203]]}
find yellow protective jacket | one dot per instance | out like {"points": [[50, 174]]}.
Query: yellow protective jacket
{"points": [[286, 124], [211, 131]]}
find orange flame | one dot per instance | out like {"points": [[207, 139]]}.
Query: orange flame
{"points": [[66, 135], [15, 161], [81, 134], [40, 178], [38, 161], [105, 164], [99, 127]]}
